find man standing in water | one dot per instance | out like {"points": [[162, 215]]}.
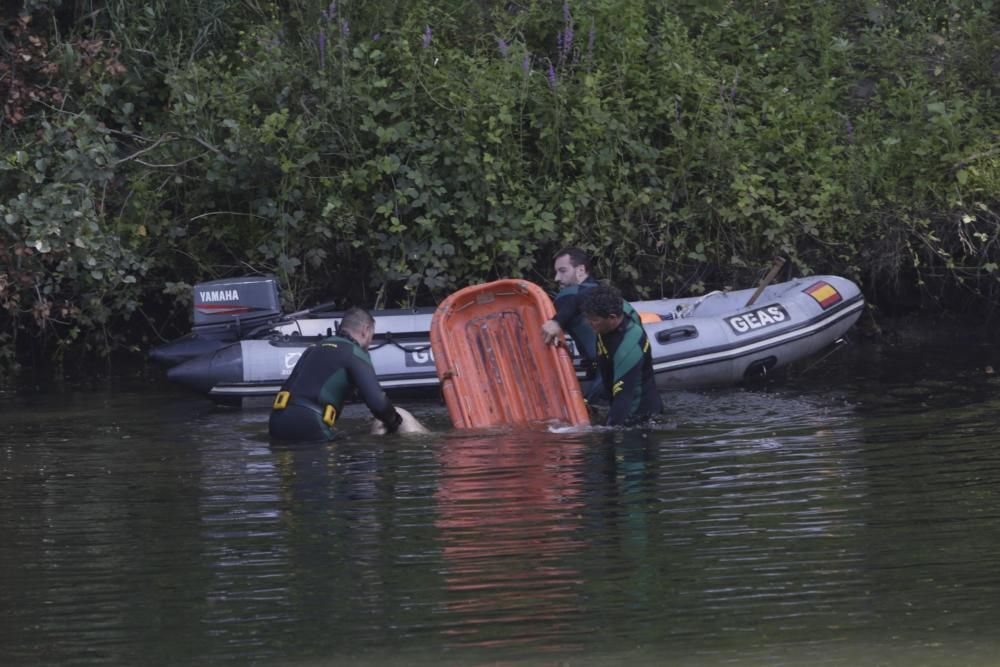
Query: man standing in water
{"points": [[312, 397], [572, 267], [624, 358]]}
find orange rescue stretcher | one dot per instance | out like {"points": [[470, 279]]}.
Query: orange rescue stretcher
{"points": [[493, 364]]}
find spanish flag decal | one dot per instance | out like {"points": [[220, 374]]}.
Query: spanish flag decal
{"points": [[824, 293]]}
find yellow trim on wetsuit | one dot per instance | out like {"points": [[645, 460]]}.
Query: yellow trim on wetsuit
{"points": [[329, 415], [602, 350], [281, 400]]}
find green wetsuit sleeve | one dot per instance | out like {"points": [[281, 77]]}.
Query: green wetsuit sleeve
{"points": [[363, 375]]}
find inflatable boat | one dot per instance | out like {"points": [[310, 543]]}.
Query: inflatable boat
{"points": [[243, 346]]}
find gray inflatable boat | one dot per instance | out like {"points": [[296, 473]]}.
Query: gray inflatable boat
{"points": [[243, 346]]}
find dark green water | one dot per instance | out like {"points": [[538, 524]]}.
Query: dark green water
{"points": [[848, 516]]}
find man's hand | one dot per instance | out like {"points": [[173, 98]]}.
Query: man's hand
{"points": [[551, 332], [410, 424]]}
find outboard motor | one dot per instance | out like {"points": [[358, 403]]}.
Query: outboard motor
{"points": [[224, 312], [235, 305]]}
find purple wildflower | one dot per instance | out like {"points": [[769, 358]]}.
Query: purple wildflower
{"points": [[377, 36], [504, 48], [850, 130], [526, 63], [591, 38], [345, 28], [567, 37], [552, 76], [322, 48], [428, 34], [332, 9]]}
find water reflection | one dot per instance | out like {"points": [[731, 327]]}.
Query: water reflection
{"points": [[509, 515], [303, 540], [852, 520]]}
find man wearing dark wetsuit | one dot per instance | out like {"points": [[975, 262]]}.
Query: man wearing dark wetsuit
{"points": [[624, 359], [311, 398], [572, 267]]}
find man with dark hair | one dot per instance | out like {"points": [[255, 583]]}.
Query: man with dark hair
{"points": [[572, 267], [312, 397], [624, 359]]}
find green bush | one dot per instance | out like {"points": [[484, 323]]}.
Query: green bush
{"points": [[389, 154]]}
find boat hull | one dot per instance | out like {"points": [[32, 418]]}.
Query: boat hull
{"points": [[724, 341]]}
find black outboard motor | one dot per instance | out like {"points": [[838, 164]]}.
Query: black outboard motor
{"points": [[224, 312], [235, 304]]}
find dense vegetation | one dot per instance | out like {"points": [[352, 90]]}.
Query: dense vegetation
{"points": [[387, 153]]}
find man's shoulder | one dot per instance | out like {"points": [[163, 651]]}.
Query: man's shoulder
{"points": [[362, 353], [345, 344], [633, 334], [335, 343], [568, 291], [631, 313], [579, 288]]}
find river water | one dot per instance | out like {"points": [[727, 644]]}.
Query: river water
{"points": [[848, 514]]}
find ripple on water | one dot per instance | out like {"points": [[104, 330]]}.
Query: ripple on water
{"points": [[794, 523]]}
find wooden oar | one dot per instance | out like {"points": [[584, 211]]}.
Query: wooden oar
{"points": [[778, 263]]}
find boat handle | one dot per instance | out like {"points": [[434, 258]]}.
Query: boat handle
{"points": [[675, 334]]}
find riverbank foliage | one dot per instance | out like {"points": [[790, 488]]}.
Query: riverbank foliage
{"points": [[387, 153]]}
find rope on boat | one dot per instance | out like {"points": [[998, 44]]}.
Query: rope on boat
{"points": [[390, 341], [837, 344], [688, 311], [387, 336]]}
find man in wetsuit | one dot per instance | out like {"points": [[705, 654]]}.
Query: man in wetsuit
{"points": [[572, 267], [311, 398], [624, 359]]}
